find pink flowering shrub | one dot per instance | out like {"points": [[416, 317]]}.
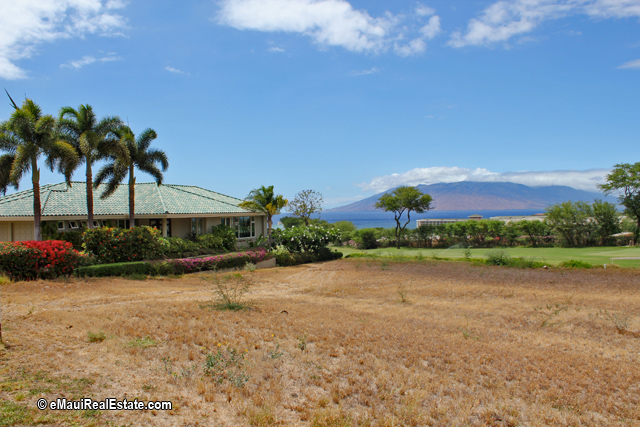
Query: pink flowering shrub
{"points": [[234, 260]]}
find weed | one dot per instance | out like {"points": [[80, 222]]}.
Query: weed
{"points": [[263, 415], [403, 292], [142, 342], [137, 276], [466, 331], [302, 342], [276, 353], [467, 252], [226, 365], [230, 291], [619, 320], [96, 337], [549, 312], [384, 265], [249, 266], [4, 280]]}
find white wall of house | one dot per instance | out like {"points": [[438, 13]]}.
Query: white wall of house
{"points": [[5, 232]]}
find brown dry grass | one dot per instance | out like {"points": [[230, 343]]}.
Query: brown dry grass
{"points": [[332, 345]]}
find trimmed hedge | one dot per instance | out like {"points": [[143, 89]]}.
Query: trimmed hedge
{"points": [[111, 245], [175, 266], [287, 259]]}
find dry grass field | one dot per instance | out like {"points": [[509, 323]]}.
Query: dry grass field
{"points": [[345, 343]]}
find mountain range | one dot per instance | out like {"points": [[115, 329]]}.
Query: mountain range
{"points": [[467, 195]]}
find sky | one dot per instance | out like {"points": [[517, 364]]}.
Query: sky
{"points": [[348, 98]]}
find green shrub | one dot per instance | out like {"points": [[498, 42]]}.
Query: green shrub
{"points": [[305, 239], [574, 263], [227, 234], [497, 257], [144, 268], [112, 245], [366, 238], [525, 263], [73, 237], [176, 247], [284, 258]]}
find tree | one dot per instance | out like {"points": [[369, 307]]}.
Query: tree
{"points": [[27, 136], [534, 230], [92, 141], [306, 203], [572, 221], [291, 221], [403, 199], [264, 200], [138, 155], [607, 219], [624, 180]]}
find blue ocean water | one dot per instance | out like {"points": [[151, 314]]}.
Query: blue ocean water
{"points": [[385, 219]]}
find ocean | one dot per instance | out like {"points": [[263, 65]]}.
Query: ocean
{"points": [[385, 219]]}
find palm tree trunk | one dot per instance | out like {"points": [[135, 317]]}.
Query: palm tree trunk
{"points": [[89, 195], [269, 225], [37, 208], [132, 198]]}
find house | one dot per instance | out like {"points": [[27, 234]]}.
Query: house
{"points": [[177, 210]]}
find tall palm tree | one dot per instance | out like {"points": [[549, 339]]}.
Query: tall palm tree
{"points": [[27, 136], [264, 200], [92, 141], [140, 156]]}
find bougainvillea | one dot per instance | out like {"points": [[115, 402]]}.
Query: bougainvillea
{"points": [[31, 260], [234, 260]]}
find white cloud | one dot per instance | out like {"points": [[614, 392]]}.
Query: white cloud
{"points": [[175, 71], [503, 20], [331, 23], [88, 59], [372, 70], [631, 64], [587, 180], [276, 49], [26, 24]]}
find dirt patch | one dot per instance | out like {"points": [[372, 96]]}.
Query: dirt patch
{"points": [[344, 343]]}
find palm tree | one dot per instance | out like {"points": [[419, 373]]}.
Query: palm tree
{"points": [[26, 136], [140, 156], [264, 200], [92, 140]]}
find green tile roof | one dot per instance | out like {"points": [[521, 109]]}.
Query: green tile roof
{"points": [[151, 199]]}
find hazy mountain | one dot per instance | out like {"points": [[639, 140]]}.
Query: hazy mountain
{"points": [[487, 196]]}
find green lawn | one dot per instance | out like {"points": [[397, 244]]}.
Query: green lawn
{"points": [[552, 256]]}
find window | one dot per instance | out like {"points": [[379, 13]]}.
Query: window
{"points": [[73, 225], [96, 224], [244, 226], [60, 225], [197, 226], [157, 223]]}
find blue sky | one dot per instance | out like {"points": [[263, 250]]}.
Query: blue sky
{"points": [[348, 98]]}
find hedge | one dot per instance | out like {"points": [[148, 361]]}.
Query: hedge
{"points": [[287, 259], [175, 266]]}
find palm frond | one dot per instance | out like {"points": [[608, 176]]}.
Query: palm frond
{"points": [[6, 163]]}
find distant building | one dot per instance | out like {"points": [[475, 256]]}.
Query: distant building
{"points": [[476, 217], [440, 221]]}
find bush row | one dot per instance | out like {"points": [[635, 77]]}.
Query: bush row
{"points": [[176, 266], [32, 260], [285, 258]]}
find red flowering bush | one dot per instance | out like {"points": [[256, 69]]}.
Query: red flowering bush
{"points": [[234, 260], [31, 260]]}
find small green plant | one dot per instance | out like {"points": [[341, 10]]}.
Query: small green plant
{"points": [[4, 280], [574, 263], [276, 353], [466, 331], [302, 342], [249, 266], [142, 342], [96, 337], [230, 291], [403, 293], [620, 320], [497, 257], [228, 364], [467, 252], [549, 312]]}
